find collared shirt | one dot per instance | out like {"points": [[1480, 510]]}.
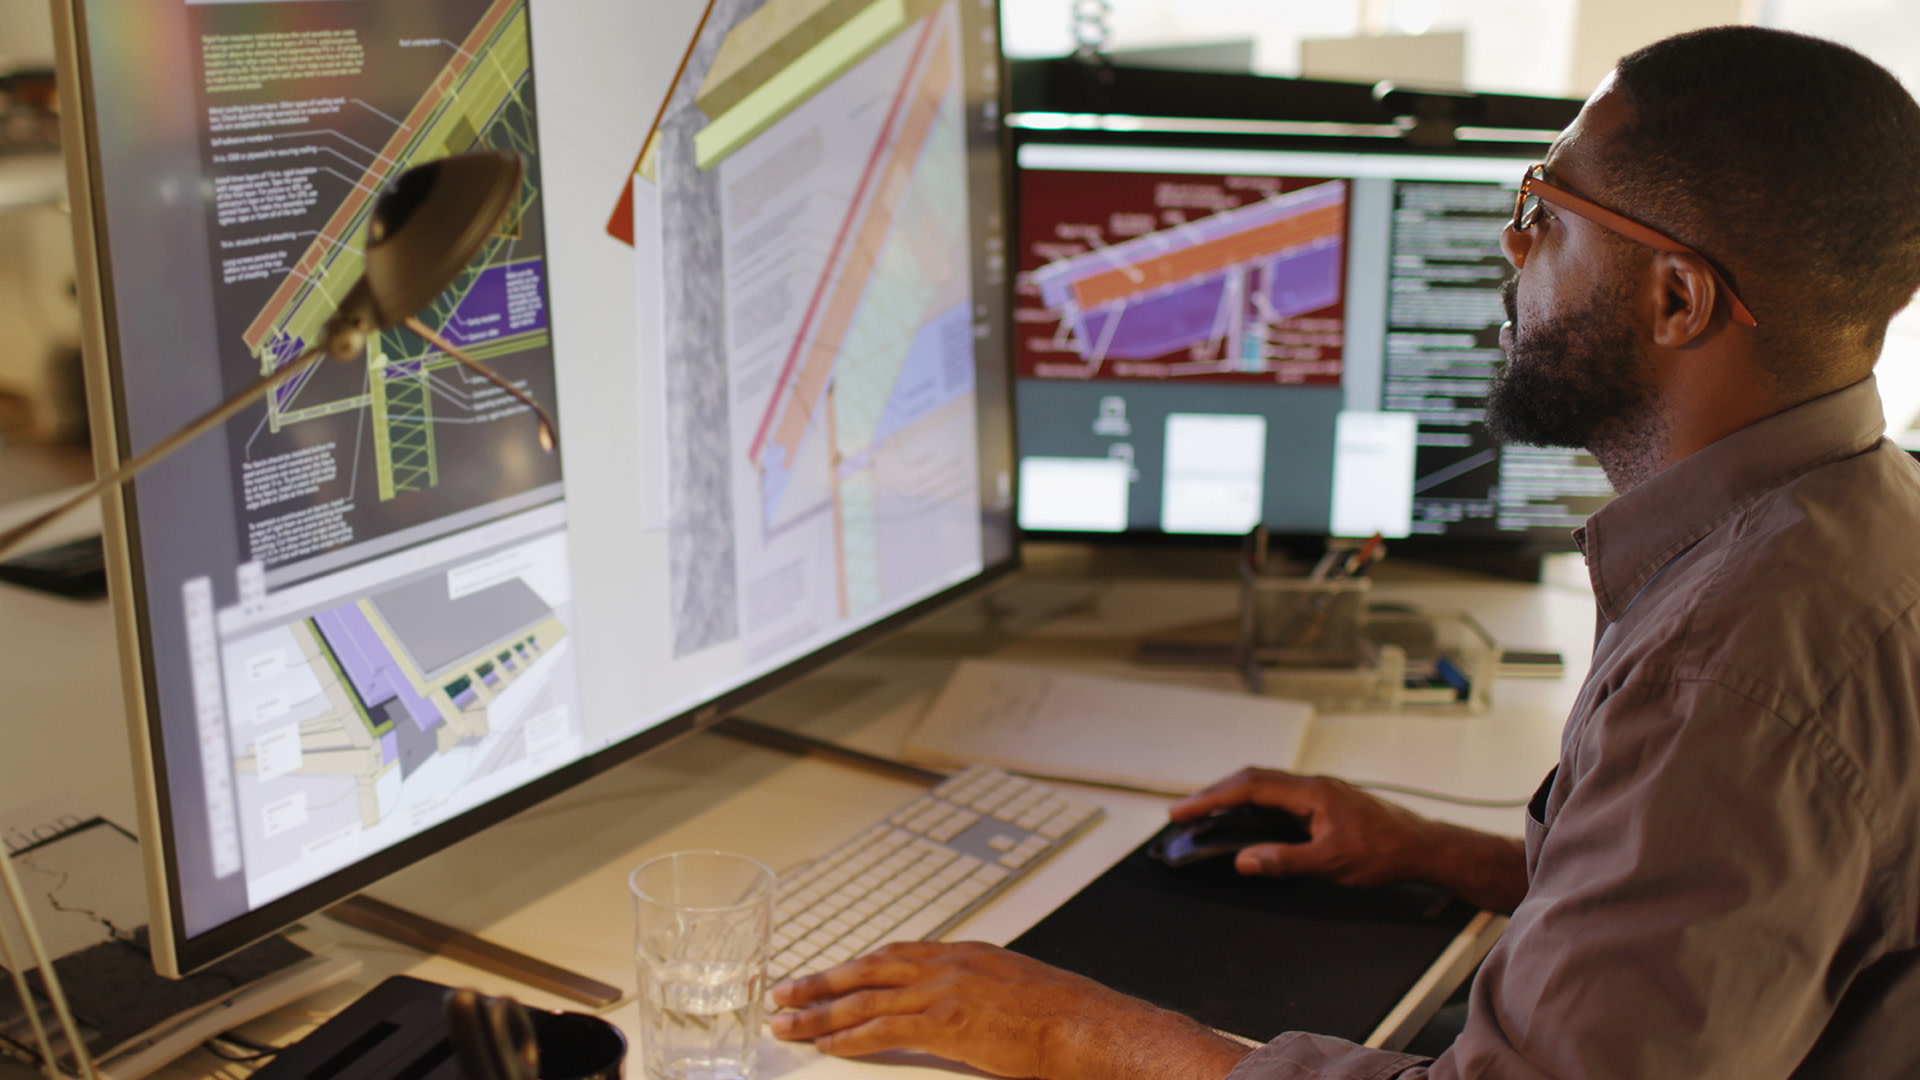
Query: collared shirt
{"points": [[1723, 877]]}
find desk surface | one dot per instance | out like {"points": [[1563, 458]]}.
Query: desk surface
{"points": [[552, 881]]}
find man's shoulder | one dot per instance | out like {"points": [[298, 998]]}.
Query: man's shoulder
{"points": [[1802, 586], [1836, 542]]}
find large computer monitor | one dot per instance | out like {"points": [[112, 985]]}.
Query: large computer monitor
{"points": [[370, 616], [1211, 335]]}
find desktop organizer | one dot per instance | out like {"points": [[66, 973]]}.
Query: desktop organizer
{"points": [[1317, 640]]}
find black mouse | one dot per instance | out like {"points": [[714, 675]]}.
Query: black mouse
{"points": [[1223, 833]]}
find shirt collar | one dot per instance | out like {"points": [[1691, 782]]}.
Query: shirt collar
{"points": [[1630, 539]]}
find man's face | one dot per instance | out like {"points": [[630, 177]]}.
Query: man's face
{"points": [[1573, 375]]}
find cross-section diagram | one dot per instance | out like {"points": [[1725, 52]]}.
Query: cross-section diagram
{"points": [[807, 185], [494, 308], [1203, 290]]}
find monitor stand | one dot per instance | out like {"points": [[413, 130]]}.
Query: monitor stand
{"points": [[378, 917]]}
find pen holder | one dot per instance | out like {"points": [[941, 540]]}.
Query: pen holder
{"points": [[1300, 622], [1317, 640]]}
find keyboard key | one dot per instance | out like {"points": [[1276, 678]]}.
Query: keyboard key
{"points": [[1060, 824], [953, 826], [993, 801], [912, 810], [991, 874], [924, 922], [886, 919]]}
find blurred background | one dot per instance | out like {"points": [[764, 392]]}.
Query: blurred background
{"points": [[1546, 47]]}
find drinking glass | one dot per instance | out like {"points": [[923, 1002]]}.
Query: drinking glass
{"points": [[702, 924]]}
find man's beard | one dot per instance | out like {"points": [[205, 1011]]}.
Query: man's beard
{"points": [[1570, 380]]}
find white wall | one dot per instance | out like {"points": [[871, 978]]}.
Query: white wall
{"points": [[1040, 27], [1606, 30], [1886, 30], [1513, 45], [1526, 46], [26, 34]]}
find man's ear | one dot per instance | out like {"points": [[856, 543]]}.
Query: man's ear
{"points": [[1686, 294]]}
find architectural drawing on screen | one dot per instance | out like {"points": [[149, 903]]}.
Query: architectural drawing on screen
{"points": [[496, 307], [810, 174], [374, 714], [1204, 289]]}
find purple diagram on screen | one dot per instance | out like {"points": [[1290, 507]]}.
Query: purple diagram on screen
{"points": [[1208, 288]]}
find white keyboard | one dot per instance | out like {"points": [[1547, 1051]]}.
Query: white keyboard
{"points": [[914, 875]]}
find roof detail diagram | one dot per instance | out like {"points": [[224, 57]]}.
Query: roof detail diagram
{"points": [[820, 146], [299, 156], [1236, 279], [371, 717]]}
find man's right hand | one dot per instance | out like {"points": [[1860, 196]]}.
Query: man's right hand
{"points": [[1359, 839]]}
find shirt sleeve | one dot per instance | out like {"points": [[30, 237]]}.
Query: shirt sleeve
{"points": [[1695, 897]]}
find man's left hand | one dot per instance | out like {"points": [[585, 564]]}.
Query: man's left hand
{"points": [[999, 1012]]}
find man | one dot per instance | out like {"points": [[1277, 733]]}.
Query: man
{"points": [[1722, 876]]}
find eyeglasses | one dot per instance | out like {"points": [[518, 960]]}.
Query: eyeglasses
{"points": [[1534, 189]]}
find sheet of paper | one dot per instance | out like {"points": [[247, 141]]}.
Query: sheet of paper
{"points": [[1115, 731]]}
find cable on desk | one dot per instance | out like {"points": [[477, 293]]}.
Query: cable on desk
{"points": [[759, 734], [1440, 796]]}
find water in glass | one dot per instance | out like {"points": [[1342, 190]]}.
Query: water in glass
{"points": [[700, 1021]]}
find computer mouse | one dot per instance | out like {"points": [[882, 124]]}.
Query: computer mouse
{"points": [[1223, 833]]}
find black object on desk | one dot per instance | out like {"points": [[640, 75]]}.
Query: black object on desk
{"points": [[1252, 956], [399, 1031], [77, 568]]}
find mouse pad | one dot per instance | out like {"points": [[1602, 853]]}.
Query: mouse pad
{"points": [[1253, 956]]}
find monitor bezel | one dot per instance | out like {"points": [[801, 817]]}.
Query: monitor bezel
{"points": [[176, 953]]}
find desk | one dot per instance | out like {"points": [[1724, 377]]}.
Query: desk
{"points": [[552, 881]]}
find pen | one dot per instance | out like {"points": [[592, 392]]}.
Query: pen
{"points": [[1357, 562], [1324, 567]]}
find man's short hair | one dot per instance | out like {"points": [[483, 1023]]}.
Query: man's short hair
{"points": [[1792, 162]]}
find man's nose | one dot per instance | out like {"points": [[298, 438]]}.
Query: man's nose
{"points": [[1514, 244]]}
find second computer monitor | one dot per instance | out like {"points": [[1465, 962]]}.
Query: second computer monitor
{"points": [[1210, 338]]}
